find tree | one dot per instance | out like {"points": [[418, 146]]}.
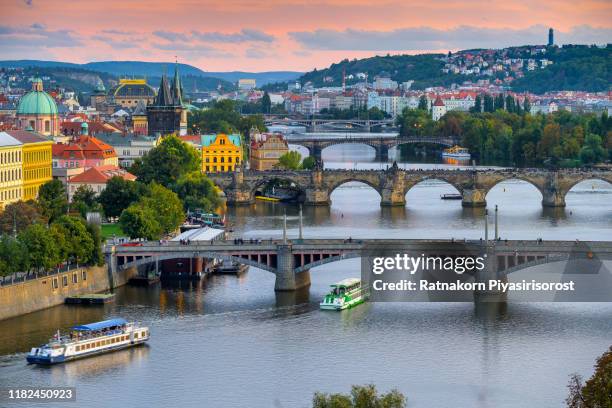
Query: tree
{"points": [[309, 163], [118, 195], [96, 258], [79, 242], [477, 108], [43, 252], [19, 215], [139, 222], [423, 104], [53, 199], [13, 256], [266, 103], [499, 102], [166, 207], [593, 151], [84, 200], [360, 397], [166, 162], [488, 104], [597, 391], [526, 105], [290, 160], [197, 191]]}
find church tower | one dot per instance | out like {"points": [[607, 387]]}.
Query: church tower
{"points": [[551, 37], [167, 115]]}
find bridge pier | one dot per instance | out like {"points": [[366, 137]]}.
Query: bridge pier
{"points": [[286, 278], [474, 198], [317, 196], [553, 198], [382, 152], [490, 272], [317, 152]]}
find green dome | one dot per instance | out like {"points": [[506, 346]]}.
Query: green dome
{"points": [[37, 103]]}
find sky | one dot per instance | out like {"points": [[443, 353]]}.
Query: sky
{"points": [[256, 35]]}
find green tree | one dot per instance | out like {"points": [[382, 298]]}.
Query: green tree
{"points": [[488, 104], [593, 151], [118, 195], [309, 163], [20, 214], [139, 222], [423, 104], [166, 162], [84, 200], [97, 257], [414, 123], [290, 160], [79, 242], [526, 105], [266, 103], [197, 191], [360, 397], [499, 102], [597, 391], [43, 252], [477, 108], [13, 256], [53, 200], [166, 206]]}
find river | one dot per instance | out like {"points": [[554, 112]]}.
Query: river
{"points": [[233, 342]]}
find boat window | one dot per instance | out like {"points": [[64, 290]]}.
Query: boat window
{"points": [[136, 335], [78, 348]]}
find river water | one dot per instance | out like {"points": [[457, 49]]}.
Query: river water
{"points": [[233, 342]]}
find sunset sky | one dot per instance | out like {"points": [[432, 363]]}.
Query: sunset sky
{"points": [[253, 35]]}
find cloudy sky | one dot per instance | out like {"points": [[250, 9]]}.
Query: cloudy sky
{"points": [[263, 35]]}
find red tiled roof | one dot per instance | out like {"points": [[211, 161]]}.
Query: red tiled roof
{"points": [[25, 136], [101, 174], [438, 101], [88, 146]]}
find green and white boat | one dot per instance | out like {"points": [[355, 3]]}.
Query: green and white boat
{"points": [[344, 294]]}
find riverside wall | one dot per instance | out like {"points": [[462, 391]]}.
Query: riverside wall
{"points": [[41, 293]]}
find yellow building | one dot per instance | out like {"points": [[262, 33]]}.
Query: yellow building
{"points": [[221, 152], [266, 149], [37, 159], [11, 184]]}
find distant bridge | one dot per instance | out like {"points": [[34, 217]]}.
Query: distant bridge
{"points": [[330, 125], [291, 260], [394, 183], [381, 142]]}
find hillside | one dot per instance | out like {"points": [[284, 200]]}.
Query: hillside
{"points": [[154, 69], [573, 68]]}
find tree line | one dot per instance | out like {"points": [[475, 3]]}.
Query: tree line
{"points": [[512, 136]]}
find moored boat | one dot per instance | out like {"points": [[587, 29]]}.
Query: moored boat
{"points": [[89, 339], [457, 152], [344, 294]]}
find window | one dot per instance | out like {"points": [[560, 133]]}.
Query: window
{"points": [[54, 283], [74, 278], [65, 280], [47, 127], [84, 275]]}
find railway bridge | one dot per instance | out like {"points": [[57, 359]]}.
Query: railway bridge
{"points": [[393, 184]]}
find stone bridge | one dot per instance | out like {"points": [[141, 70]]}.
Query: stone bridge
{"points": [[381, 142], [291, 260], [340, 125], [393, 184]]}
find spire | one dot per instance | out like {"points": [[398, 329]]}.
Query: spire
{"points": [[164, 97], [177, 91]]}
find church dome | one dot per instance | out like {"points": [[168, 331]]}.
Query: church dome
{"points": [[37, 101], [133, 88]]}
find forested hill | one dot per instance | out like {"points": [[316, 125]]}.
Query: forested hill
{"points": [[573, 68]]}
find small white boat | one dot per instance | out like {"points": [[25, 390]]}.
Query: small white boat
{"points": [[89, 339], [344, 294], [457, 152]]}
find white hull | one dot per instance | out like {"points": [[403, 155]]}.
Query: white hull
{"points": [[457, 155]]}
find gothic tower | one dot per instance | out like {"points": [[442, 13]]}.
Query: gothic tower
{"points": [[167, 115]]}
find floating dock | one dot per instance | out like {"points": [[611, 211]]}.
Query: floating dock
{"points": [[90, 299], [235, 269]]}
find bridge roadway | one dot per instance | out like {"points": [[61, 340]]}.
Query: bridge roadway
{"points": [[342, 125], [291, 260], [393, 184], [381, 142]]}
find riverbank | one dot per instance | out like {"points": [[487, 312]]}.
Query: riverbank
{"points": [[47, 291]]}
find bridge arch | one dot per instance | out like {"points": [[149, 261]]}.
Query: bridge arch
{"points": [[573, 184], [265, 180], [370, 183], [415, 182], [341, 257], [515, 177]]}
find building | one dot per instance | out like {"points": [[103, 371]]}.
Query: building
{"points": [[98, 98], [36, 161], [130, 92], [221, 152], [38, 111], [266, 150], [438, 109], [139, 120], [80, 154], [167, 114], [129, 147], [551, 37], [246, 84], [11, 181], [96, 178]]}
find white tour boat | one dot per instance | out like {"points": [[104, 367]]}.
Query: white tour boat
{"points": [[457, 152], [89, 339], [344, 294]]}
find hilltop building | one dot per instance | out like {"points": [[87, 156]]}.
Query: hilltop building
{"points": [[38, 111], [221, 152], [130, 92], [167, 114], [266, 150], [246, 84]]}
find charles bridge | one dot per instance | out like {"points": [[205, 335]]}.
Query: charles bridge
{"points": [[393, 184]]}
